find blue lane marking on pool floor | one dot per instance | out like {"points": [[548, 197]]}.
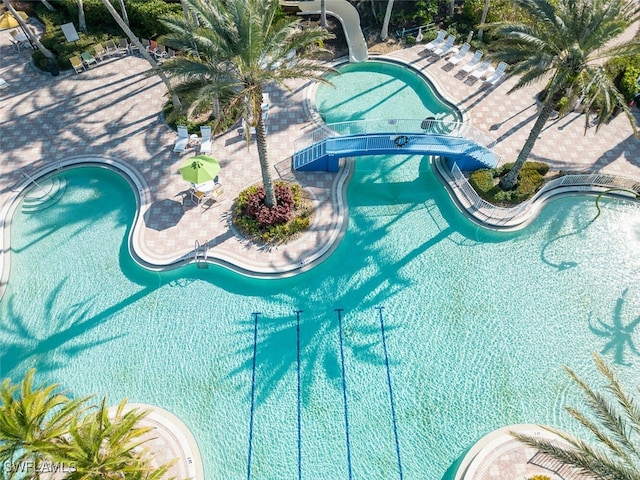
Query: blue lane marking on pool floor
{"points": [[393, 405], [253, 391], [344, 394], [298, 312]]}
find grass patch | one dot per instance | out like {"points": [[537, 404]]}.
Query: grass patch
{"points": [[486, 183], [253, 222]]}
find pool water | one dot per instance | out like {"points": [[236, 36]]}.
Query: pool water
{"points": [[380, 89], [477, 326]]}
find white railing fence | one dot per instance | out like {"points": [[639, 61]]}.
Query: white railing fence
{"points": [[502, 215]]}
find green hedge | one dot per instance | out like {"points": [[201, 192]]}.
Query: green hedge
{"points": [[530, 179]]}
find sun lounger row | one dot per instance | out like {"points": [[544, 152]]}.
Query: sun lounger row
{"points": [[476, 68]]}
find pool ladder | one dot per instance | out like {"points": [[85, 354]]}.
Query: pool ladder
{"points": [[200, 254]]}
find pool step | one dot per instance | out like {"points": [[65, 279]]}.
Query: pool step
{"points": [[44, 194]]}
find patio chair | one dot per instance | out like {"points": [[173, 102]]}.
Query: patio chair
{"points": [[473, 63], [205, 144], [145, 44], [111, 48], [171, 53], [459, 55], [435, 43], [152, 47], [207, 193], [496, 76], [132, 46], [88, 59], [76, 63], [160, 52], [446, 47], [123, 46], [183, 139], [99, 51], [482, 71]]}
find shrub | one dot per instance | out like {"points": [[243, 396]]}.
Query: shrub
{"points": [[280, 224], [531, 178]]}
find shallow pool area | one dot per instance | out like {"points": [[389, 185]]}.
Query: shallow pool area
{"points": [[477, 326]]}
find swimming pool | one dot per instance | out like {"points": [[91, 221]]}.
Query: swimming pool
{"points": [[477, 325]]}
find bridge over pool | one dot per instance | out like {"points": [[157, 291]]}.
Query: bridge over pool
{"points": [[321, 149]]}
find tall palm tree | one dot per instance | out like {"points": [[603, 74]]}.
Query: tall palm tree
{"points": [[107, 445], [614, 420], [240, 47], [32, 419], [82, 21], [384, 34], [567, 40]]}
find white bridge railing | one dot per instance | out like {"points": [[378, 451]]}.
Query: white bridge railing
{"points": [[431, 125], [501, 215]]}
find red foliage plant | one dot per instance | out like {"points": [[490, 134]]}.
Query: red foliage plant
{"points": [[265, 216]]}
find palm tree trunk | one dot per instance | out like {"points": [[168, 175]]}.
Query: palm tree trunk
{"points": [[123, 9], [32, 38], [452, 5], [483, 19], [261, 142], [511, 178], [82, 22], [384, 34], [323, 13], [47, 5], [125, 28]]}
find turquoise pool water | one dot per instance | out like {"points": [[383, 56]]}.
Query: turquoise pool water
{"points": [[377, 89], [477, 326]]}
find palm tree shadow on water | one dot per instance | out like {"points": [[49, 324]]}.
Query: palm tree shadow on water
{"points": [[379, 278], [618, 335]]}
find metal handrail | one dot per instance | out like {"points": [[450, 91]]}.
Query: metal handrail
{"points": [[505, 215], [32, 180]]}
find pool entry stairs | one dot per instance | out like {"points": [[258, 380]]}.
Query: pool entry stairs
{"points": [[43, 194], [321, 149]]}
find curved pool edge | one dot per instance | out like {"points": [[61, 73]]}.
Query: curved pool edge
{"points": [[170, 439], [529, 214], [148, 259]]}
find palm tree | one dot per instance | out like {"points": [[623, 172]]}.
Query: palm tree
{"points": [[32, 38], [323, 13], [384, 34], [133, 39], [567, 41], [239, 47], [105, 445], [82, 22], [614, 421], [34, 420]]}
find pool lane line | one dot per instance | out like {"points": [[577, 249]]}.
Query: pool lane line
{"points": [[344, 393], [253, 390], [393, 407], [298, 312]]}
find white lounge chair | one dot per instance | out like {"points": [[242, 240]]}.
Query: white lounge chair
{"points": [[482, 71], [496, 76], [183, 139], [436, 42], [473, 63], [205, 144], [460, 54], [446, 47]]}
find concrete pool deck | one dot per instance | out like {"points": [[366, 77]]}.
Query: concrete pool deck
{"points": [[113, 112]]}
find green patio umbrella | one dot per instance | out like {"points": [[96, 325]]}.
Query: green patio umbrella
{"points": [[200, 169]]}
